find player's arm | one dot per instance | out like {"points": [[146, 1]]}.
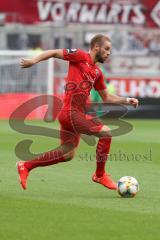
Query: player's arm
{"points": [[110, 98], [28, 62]]}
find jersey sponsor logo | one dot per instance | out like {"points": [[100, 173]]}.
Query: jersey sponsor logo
{"points": [[72, 50], [83, 85]]}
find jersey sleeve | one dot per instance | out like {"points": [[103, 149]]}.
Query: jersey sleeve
{"points": [[99, 83], [74, 55]]}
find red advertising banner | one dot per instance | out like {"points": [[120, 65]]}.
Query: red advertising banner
{"points": [[140, 13], [9, 102]]}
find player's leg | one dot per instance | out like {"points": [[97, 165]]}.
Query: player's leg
{"points": [[65, 152], [102, 153], [87, 125]]}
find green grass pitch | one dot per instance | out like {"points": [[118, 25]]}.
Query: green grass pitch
{"points": [[63, 203]]}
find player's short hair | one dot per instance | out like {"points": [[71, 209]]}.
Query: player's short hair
{"points": [[98, 39]]}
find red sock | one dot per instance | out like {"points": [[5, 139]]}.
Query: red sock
{"points": [[48, 158], [102, 152]]}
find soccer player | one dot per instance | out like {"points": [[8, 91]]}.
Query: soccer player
{"points": [[83, 74]]}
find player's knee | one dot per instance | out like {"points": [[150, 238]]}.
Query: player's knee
{"points": [[105, 132], [70, 155]]}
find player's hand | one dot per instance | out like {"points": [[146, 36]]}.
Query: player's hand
{"points": [[25, 63], [133, 101]]}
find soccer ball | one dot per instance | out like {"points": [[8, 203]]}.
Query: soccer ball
{"points": [[128, 187]]}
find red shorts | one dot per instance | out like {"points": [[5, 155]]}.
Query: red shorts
{"points": [[73, 123]]}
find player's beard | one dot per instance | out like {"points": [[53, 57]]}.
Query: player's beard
{"points": [[99, 57]]}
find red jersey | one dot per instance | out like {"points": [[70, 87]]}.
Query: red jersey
{"points": [[83, 74]]}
